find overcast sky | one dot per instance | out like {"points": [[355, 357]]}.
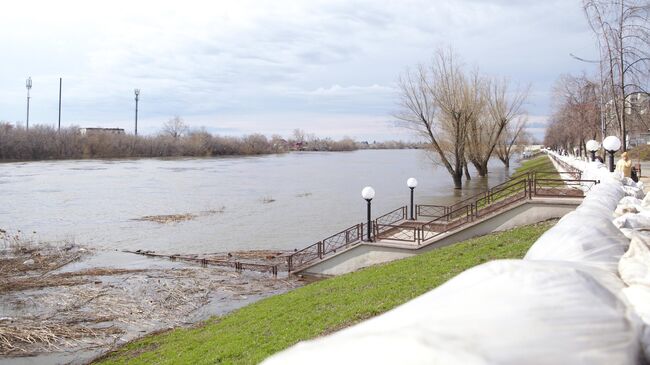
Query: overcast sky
{"points": [[236, 67]]}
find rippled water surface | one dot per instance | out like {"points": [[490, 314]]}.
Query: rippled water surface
{"points": [[277, 202]]}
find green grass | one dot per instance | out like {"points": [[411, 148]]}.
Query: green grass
{"points": [[545, 169], [542, 163], [259, 330]]}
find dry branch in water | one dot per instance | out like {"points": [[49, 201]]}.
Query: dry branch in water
{"points": [[169, 218], [28, 335], [46, 310]]}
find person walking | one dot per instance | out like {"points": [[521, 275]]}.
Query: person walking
{"points": [[624, 165]]}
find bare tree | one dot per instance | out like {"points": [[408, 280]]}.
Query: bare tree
{"points": [[438, 102], [496, 110], [624, 38], [576, 115], [299, 136], [175, 128], [513, 135]]}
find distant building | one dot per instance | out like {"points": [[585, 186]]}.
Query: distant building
{"points": [[637, 107], [298, 146], [100, 131]]}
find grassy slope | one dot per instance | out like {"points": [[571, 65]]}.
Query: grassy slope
{"points": [[252, 333], [540, 163], [545, 170]]}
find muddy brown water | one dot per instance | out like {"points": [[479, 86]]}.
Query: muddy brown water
{"points": [[278, 202]]}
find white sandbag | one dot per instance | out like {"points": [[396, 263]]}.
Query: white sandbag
{"points": [[646, 201], [601, 202], [640, 185], [634, 266], [630, 200], [606, 194], [631, 220], [502, 312], [629, 204], [633, 232], [639, 298], [634, 191], [628, 182], [590, 239], [622, 209]]}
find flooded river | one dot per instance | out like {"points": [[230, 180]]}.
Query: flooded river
{"points": [[276, 202], [237, 203]]}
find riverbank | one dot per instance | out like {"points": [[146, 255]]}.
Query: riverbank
{"points": [[64, 303], [45, 143], [254, 332]]}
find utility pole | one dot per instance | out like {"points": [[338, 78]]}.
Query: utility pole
{"points": [[60, 84], [28, 84], [137, 98]]}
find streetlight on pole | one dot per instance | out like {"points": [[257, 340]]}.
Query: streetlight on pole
{"points": [[592, 147], [368, 193], [611, 145], [28, 84], [412, 183], [137, 98], [60, 87]]}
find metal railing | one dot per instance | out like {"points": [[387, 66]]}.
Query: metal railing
{"points": [[430, 211], [493, 200], [395, 226], [575, 172], [562, 188], [384, 222], [341, 240]]}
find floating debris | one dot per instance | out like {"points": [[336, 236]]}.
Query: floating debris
{"points": [[168, 218], [57, 302]]}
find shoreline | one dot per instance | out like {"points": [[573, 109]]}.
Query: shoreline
{"points": [[70, 304], [198, 157]]}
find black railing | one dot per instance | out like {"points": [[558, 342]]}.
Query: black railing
{"points": [[493, 200], [430, 211], [395, 226], [344, 239], [384, 222]]}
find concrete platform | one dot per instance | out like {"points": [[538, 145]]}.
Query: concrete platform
{"points": [[365, 254]]}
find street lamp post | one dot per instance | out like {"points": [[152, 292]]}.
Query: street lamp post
{"points": [[137, 98], [368, 193], [611, 145], [28, 84], [412, 183], [592, 147], [60, 87]]}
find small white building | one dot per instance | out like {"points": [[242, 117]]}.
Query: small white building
{"points": [[97, 130]]}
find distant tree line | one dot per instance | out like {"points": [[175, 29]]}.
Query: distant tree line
{"points": [[176, 139]]}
